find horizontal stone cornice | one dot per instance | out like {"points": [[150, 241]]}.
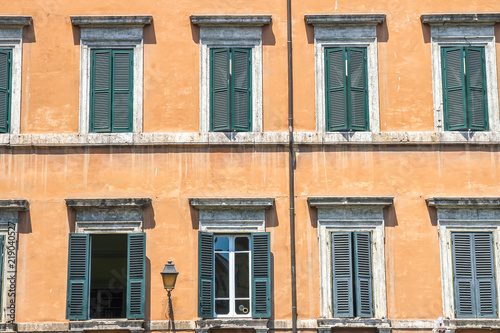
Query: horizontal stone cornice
{"points": [[108, 202], [110, 20], [460, 18], [231, 20], [344, 19], [463, 202], [14, 204], [231, 203], [335, 202], [14, 21]]}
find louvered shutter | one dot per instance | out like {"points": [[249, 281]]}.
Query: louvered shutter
{"points": [[342, 274], [205, 275], [485, 292], [219, 90], [122, 90], [78, 276], [100, 99], [455, 106], [136, 279], [463, 275], [476, 88], [261, 275], [358, 89], [241, 98], [5, 89], [336, 92], [363, 274]]}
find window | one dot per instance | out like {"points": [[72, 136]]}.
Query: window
{"points": [[464, 88], [230, 90], [346, 89], [474, 275], [352, 274], [111, 91], [5, 89], [234, 275]]}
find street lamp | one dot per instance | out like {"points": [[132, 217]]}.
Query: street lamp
{"points": [[169, 276]]}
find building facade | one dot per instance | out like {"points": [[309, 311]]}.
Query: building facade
{"points": [[134, 133]]}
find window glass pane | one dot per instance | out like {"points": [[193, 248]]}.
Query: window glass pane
{"points": [[241, 275], [222, 307], [221, 243], [241, 244], [242, 306], [221, 275]]}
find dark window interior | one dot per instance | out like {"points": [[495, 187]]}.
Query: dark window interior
{"points": [[108, 276]]}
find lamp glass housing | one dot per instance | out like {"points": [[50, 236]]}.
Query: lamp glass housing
{"points": [[169, 276]]}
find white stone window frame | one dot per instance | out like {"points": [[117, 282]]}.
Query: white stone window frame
{"points": [[236, 31], [232, 216], [349, 214], [459, 214], [356, 30], [11, 37], [463, 30], [9, 218], [111, 32]]}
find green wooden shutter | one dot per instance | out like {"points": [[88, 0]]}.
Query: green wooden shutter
{"points": [[476, 88], [100, 85], [363, 274], [342, 275], [122, 90], [357, 82], [261, 275], [5, 89], [241, 92], [205, 275], [463, 275], [136, 275], [219, 90], [455, 106], [336, 92], [485, 292], [78, 276]]}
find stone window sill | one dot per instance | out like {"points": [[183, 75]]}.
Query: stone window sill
{"points": [[472, 323], [329, 323], [107, 325], [259, 325]]}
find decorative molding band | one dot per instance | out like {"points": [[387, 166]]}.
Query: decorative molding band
{"points": [[337, 202], [96, 21], [231, 20], [232, 203], [459, 18], [256, 324], [344, 19], [108, 202], [463, 202], [351, 323], [14, 204], [105, 325], [15, 21]]}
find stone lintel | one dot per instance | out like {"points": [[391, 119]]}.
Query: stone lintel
{"points": [[256, 324], [14, 204], [15, 21], [357, 322], [463, 202], [231, 203], [231, 20], [336, 202], [96, 21], [460, 18], [108, 202], [344, 19]]}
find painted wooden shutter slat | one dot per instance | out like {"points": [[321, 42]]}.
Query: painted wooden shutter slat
{"points": [[78, 276], [241, 92], [363, 274], [5, 89], [485, 276], [342, 275], [100, 118], [219, 90], [358, 89], [336, 94], [261, 275], [136, 279], [476, 88], [463, 273], [122, 90], [454, 89], [205, 275]]}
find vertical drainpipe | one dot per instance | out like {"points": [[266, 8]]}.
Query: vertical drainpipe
{"points": [[291, 166]]}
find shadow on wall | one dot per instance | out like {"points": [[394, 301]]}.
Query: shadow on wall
{"points": [[390, 216], [148, 215], [426, 32], [272, 217], [432, 215], [24, 223], [29, 33]]}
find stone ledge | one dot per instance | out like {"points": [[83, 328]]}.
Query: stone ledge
{"points": [[43, 327], [231, 20], [96, 21], [231, 203], [7, 21], [332, 202], [463, 202], [230, 323], [344, 19], [108, 202], [472, 323], [354, 323], [14, 204], [460, 18], [106, 325]]}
